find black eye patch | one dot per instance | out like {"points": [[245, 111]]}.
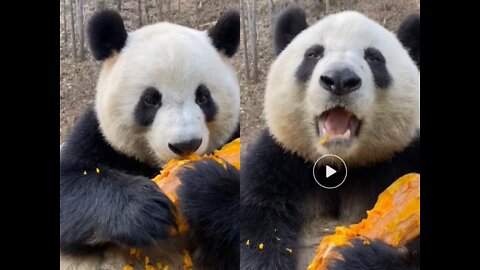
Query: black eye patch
{"points": [[205, 101], [310, 59], [377, 63], [148, 104]]}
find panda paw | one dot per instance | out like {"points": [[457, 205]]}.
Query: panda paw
{"points": [[147, 215], [378, 255], [209, 201]]}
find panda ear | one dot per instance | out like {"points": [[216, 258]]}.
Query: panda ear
{"points": [[106, 34], [409, 35], [225, 34], [289, 24]]}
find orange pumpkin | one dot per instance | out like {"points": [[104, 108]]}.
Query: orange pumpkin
{"points": [[168, 180], [395, 219]]}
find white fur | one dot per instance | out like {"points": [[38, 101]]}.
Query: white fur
{"points": [[175, 60], [391, 117]]}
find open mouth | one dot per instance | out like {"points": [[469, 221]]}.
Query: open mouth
{"points": [[337, 124]]}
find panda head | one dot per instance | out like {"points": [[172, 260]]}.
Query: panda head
{"points": [[345, 79], [165, 90]]}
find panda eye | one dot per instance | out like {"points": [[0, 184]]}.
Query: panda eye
{"points": [[201, 99], [152, 97], [374, 56], [373, 59], [315, 52], [150, 101]]}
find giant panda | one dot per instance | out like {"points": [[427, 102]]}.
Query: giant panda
{"points": [[347, 77], [164, 91]]}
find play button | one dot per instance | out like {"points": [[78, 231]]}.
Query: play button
{"points": [[330, 171]]}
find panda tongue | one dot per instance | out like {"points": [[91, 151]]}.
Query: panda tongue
{"points": [[337, 121]]}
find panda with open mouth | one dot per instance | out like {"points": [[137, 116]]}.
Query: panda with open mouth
{"points": [[343, 86]]}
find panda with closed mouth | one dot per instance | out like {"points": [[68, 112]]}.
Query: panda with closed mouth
{"points": [[164, 91], [344, 86]]}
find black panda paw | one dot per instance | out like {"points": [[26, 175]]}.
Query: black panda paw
{"points": [[147, 215], [209, 202], [377, 256]]}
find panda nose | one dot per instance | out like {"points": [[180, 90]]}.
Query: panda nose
{"points": [[340, 82], [186, 147]]}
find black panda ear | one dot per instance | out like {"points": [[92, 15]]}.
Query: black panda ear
{"points": [[289, 24], [106, 33], [409, 35], [225, 34]]}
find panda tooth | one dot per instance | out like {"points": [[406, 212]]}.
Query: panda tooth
{"points": [[324, 132], [346, 135]]}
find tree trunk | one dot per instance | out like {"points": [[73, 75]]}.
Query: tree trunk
{"points": [[80, 29], [197, 12], [159, 10], [72, 24], [119, 5], [147, 16], [140, 13], [244, 32], [65, 28], [169, 9], [327, 6], [253, 40], [179, 7], [271, 12]]}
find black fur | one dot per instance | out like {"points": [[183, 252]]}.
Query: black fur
{"points": [[118, 204], [148, 104], [310, 60], [209, 201], [106, 33], [205, 101], [376, 256], [409, 35], [274, 179], [225, 34], [377, 63], [289, 24], [121, 205]]}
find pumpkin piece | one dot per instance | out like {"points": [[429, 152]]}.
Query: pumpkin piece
{"points": [[395, 219], [230, 153], [168, 181], [187, 260]]}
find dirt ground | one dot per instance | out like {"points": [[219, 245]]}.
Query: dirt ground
{"points": [[77, 85]]}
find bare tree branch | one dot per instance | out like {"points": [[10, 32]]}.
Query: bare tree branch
{"points": [[147, 16], [72, 25], [271, 12], [244, 32], [159, 10], [119, 5], [81, 31], [65, 28], [253, 39], [140, 13]]}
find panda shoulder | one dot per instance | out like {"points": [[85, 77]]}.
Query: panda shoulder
{"points": [[267, 158], [85, 131]]}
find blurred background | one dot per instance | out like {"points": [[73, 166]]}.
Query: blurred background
{"points": [[79, 71]]}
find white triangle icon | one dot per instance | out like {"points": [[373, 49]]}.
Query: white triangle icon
{"points": [[330, 171]]}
